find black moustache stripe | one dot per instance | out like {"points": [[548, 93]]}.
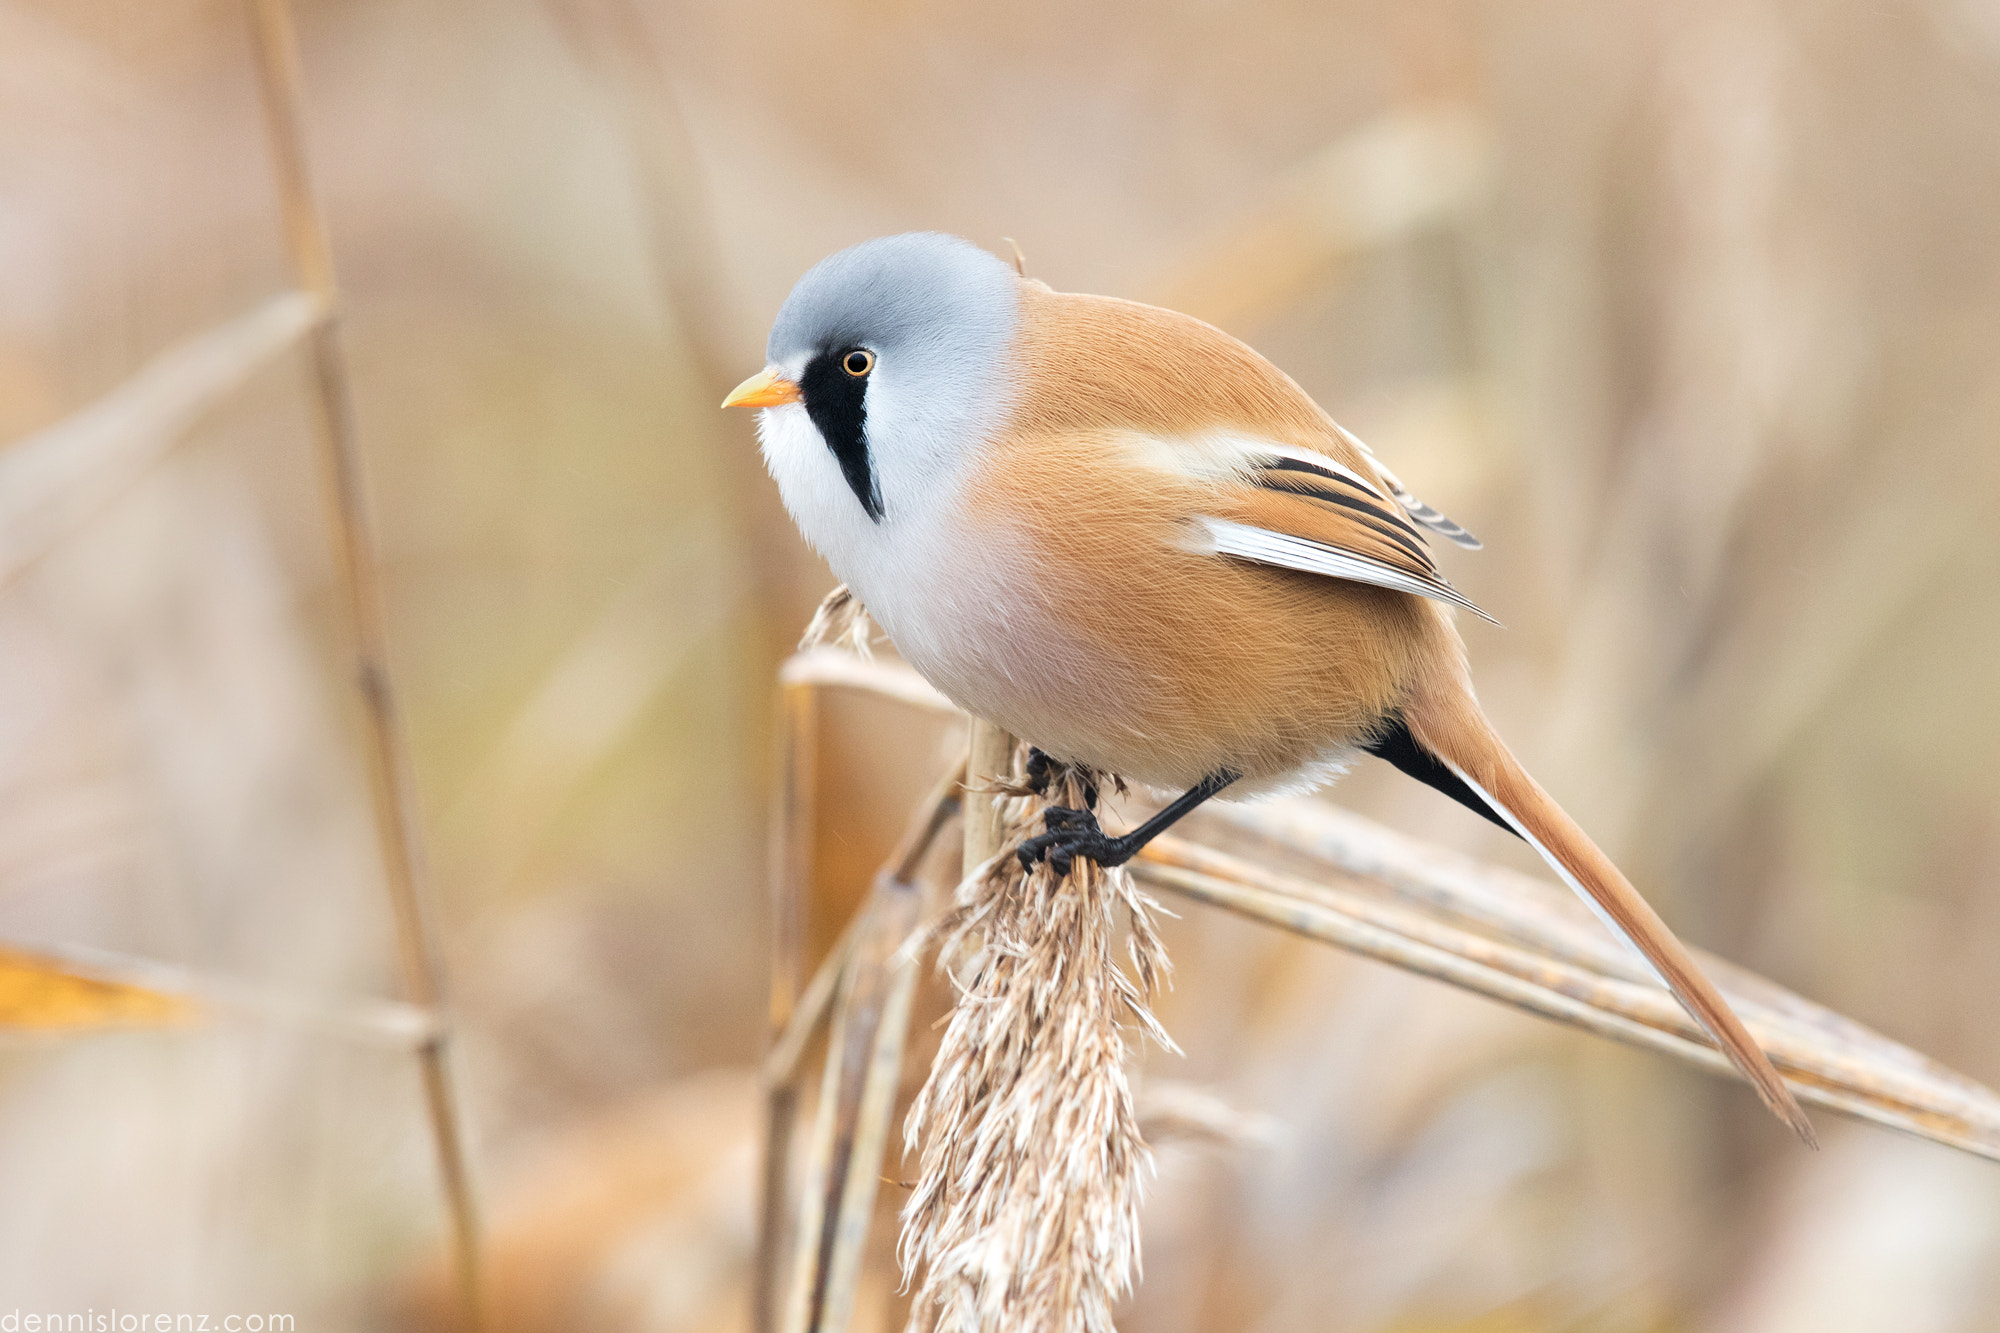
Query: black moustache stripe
{"points": [[837, 403]]}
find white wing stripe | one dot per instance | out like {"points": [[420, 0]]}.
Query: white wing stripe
{"points": [[1311, 557], [1562, 871]]}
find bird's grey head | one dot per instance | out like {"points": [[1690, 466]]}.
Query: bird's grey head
{"points": [[898, 348]]}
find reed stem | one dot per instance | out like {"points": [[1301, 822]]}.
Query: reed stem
{"points": [[359, 576]]}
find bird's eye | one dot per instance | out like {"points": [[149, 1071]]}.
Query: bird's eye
{"points": [[858, 362]]}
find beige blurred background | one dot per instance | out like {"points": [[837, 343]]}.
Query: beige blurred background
{"points": [[1692, 311]]}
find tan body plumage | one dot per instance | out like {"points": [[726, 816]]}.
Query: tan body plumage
{"points": [[1153, 659], [1128, 538]]}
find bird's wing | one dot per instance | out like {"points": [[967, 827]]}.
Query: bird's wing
{"points": [[1300, 509], [1290, 488], [1417, 509]]}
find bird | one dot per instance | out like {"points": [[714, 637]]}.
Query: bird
{"points": [[1125, 536]]}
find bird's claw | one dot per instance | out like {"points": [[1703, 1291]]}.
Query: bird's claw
{"points": [[1070, 834]]}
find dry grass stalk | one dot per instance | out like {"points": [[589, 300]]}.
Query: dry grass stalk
{"points": [[53, 481], [876, 979], [864, 1068], [781, 1062], [1025, 1213], [989, 773], [791, 867], [72, 988], [1511, 938], [42, 994], [390, 784], [829, 668], [1171, 1111], [1547, 967], [840, 622]]}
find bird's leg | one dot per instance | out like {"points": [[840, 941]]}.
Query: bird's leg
{"points": [[1073, 833]]}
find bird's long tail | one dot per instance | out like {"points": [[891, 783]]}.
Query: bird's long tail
{"points": [[1447, 722]]}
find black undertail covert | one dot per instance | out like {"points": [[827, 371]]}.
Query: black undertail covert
{"points": [[1399, 747]]}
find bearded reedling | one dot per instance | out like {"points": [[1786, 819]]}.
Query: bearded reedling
{"points": [[1125, 536]]}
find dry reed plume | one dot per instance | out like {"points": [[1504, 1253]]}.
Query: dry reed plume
{"points": [[1026, 1209], [840, 621]]}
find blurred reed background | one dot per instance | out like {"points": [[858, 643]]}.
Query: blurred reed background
{"points": [[1692, 311]]}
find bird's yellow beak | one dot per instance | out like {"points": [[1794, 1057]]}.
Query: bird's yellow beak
{"points": [[764, 389]]}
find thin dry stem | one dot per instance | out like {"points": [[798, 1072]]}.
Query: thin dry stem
{"points": [[53, 482], [876, 983], [872, 1071], [1025, 1212], [390, 1024], [840, 622], [791, 880], [1828, 1060], [1455, 917], [360, 582], [989, 764], [781, 1062]]}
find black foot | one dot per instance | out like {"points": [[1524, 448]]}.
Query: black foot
{"points": [[1042, 772], [1038, 771], [1074, 833]]}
